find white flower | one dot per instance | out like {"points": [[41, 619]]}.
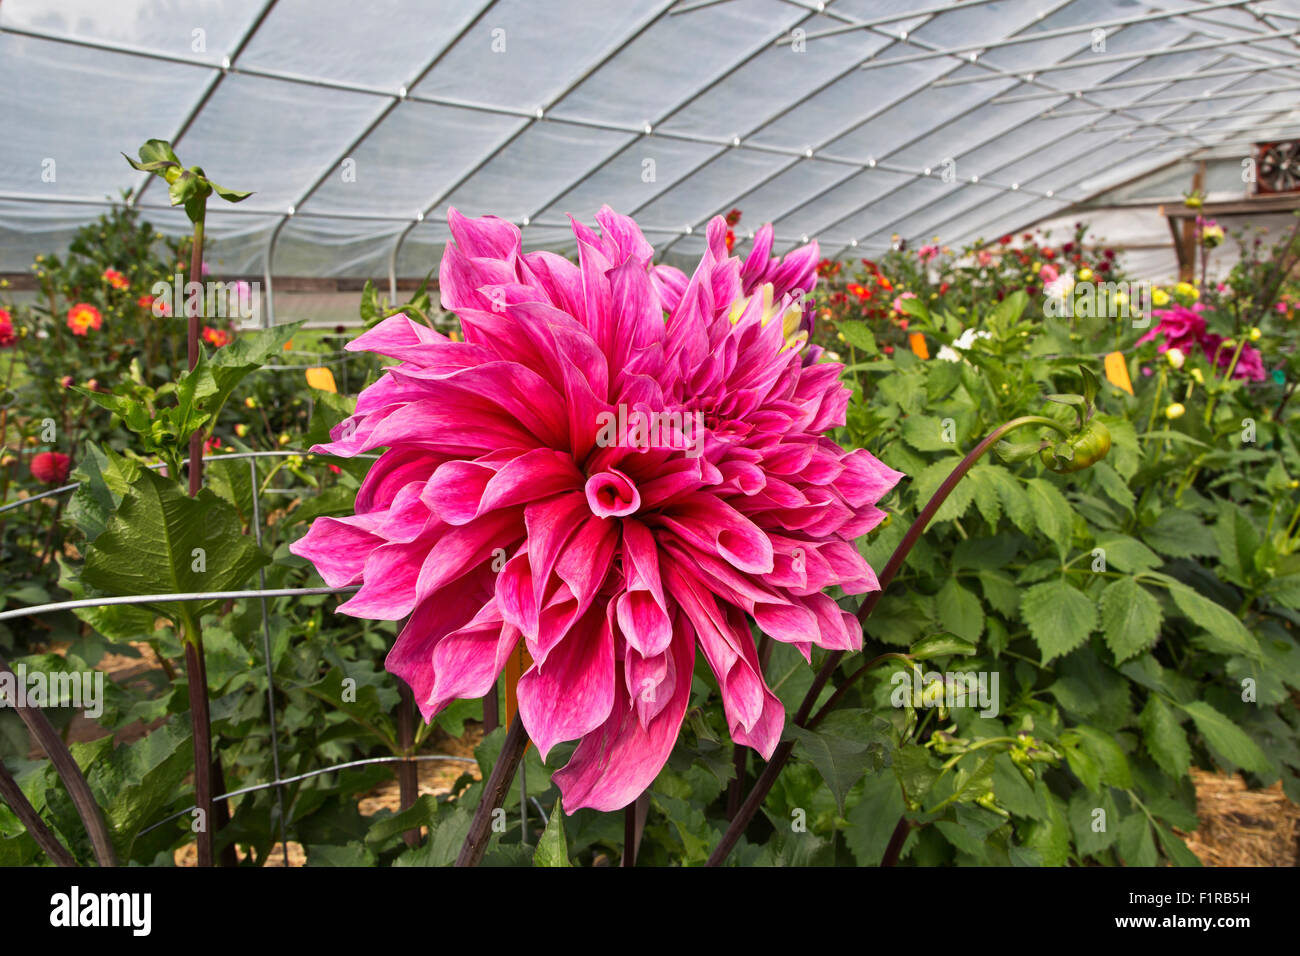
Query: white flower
{"points": [[961, 343]]}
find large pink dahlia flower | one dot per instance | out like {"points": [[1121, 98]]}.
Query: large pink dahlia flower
{"points": [[615, 476]]}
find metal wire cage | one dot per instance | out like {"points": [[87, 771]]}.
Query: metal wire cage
{"points": [[263, 594]]}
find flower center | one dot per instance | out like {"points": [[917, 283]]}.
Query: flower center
{"points": [[611, 494]]}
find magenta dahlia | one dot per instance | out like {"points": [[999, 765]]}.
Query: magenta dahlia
{"points": [[618, 467], [1185, 329]]}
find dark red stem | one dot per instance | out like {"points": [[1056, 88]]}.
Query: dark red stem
{"points": [[782, 753], [494, 794]]}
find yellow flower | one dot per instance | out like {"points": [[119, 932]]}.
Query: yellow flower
{"points": [[1085, 275], [1160, 297], [1185, 290], [250, 402], [1175, 410], [1255, 334], [241, 430]]}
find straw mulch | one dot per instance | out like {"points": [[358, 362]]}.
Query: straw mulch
{"points": [[1243, 827]]}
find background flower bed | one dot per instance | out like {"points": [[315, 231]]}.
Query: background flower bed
{"points": [[1139, 680]]}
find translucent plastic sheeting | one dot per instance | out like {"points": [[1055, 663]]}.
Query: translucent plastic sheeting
{"points": [[848, 121]]}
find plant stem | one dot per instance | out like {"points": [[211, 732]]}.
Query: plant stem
{"points": [[70, 773], [196, 675], [196, 275], [27, 815], [782, 753], [494, 794]]}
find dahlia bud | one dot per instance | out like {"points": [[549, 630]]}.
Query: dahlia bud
{"points": [[1176, 357], [1078, 452], [1175, 410]]}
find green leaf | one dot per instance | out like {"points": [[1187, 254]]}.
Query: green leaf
{"points": [[916, 770], [158, 151], [928, 482], [859, 336], [104, 476], [1165, 738], [229, 195], [1059, 617], [1108, 754], [1215, 618], [161, 541], [1180, 534], [960, 611], [1176, 849], [925, 433], [848, 744], [1116, 488], [1136, 846], [1128, 554], [552, 849], [1130, 618], [1051, 511], [940, 645], [1227, 739], [873, 818], [1124, 456]]}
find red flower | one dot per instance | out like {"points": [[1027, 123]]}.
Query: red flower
{"points": [[217, 337], [51, 467], [1005, 240], [116, 279], [733, 217], [1048, 252], [83, 317], [7, 336]]}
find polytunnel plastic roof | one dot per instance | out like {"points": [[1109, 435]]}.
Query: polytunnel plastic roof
{"points": [[848, 121]]}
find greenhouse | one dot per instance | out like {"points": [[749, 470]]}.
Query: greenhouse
{"points": [[632, 433]]}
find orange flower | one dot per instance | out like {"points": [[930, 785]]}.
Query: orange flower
{"points": [[217, 337], [83, 317], [116, 279]]}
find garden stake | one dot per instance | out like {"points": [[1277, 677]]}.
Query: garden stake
{"points": [[27, 815], [782, 753], [494, 794], [70, 773]]}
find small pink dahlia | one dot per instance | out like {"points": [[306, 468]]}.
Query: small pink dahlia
{"points": [[617, 467]]}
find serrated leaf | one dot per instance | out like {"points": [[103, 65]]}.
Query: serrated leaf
{"points": [[960, 611], [859, 336], [152, 544], [1128, 554], [872, 820], [1136, 845], [1165, 739], [1060, 617], [1130, 618], [1227, 739], [1051, 511], [1215, 618], [1180, 534], [928, 482], [925, 433], [848, 744]]}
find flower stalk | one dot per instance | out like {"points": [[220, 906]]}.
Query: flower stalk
{"points": [[783, 751], [70, 773], [494, 794]]}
